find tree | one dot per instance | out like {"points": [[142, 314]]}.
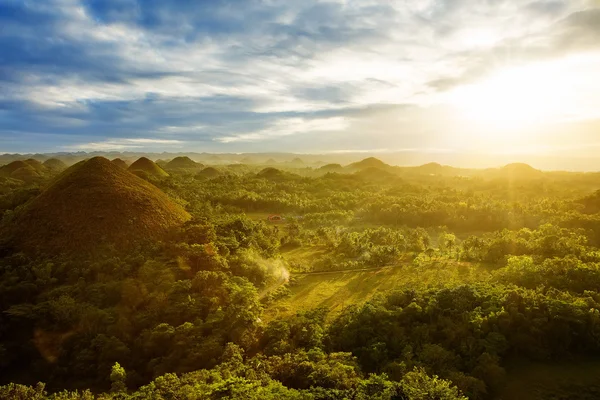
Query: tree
{"points": [[417, 385], [117, 378]]}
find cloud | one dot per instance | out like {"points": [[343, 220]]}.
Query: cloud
{"points": [[126, 144], [231, 75]]}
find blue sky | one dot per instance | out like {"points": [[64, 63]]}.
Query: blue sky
{"points": [[302, 76]]}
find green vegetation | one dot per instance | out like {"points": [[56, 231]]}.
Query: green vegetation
{"points": [[373, 282], [147, 169], [120, 163], [182, 163]]}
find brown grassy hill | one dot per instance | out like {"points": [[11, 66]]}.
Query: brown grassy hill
{"points": [[182, 163], [92, 204], [331, 168], [55, 165], [26, 174], [31, 164], [145, 167], [120, 163], [24, 170], [370, 162], [521, 170], [209, 172]]}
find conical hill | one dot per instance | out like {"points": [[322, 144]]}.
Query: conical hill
{"points": [[146, 167], [91, 205]]}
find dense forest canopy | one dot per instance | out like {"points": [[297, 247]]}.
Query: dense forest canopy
{"points": [[291, 280]]}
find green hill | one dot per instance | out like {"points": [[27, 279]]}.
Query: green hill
{"points": [[370, 162], [24, 170], [209, 172], [55, 165], [120, 163], [520, 171], [147, 168], [331, 168], [91, 204], [182, 163]]}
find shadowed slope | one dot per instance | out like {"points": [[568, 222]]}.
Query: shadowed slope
{"points": [[94, 203]]}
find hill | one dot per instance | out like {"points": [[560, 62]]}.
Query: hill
{"points": [[370, 162], [182, 163], [90, 205], [24, 170], [271, 173], [520, 171], [120, 163], [331, 168], [375, 174], [208, 172], [55, 165], [145, 168]]}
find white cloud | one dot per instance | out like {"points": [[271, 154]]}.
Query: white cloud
{"points": [[124, 144], [290, 126]]}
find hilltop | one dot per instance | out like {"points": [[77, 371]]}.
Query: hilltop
{"points": [[120, 163], [209, 172], [54, 164], [91, 204], [520, 171], [331, 168], [182, 163], [24, 170], [145, 167], [370, 162]]}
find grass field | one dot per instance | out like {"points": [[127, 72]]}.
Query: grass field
{"points": [[337, 290]]}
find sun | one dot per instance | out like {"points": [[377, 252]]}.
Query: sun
{"points": [[516, 99]]}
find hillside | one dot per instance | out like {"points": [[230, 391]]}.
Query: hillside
{"points": [[520, 171], [331, 168], [120, 163], [209, 172], [54, 164], [182, 163], [91, 204], [27, 170], [370, 162], [145, 167]]}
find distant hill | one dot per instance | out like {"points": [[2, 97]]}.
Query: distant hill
{"points": [[182, 163], [54, 164], [431, 168], [370, 162], [270, 173], [209, 172], [145, 168], [275, 174], [520, 171], [331, 168], [91, 204], [24, 170], [120, 163], [375, 174]]}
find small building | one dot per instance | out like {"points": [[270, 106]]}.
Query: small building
{"points": [[275, 218]]}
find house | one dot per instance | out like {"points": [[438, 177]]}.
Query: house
{"points": [[275, 218]]}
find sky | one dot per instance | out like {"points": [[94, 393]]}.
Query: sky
{"points": [[335, 76]]}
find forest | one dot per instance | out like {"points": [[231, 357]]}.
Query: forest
{"points": [[135, 279]]}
